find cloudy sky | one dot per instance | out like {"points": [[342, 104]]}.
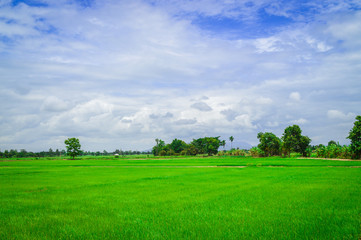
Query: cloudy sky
{"points": [[119, 73]]}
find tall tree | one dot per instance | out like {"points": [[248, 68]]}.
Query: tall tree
{"points": [[355, 137], [269, 143], [158, 147], [231, 138], [294, 141], [72, 147]]}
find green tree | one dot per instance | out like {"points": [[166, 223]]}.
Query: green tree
{"points": [[332, 142], [294, 141], [207, 145], [158, 147], [190, 150], [269, 143], [177, 146], [73, 147], [355, 137], [231, 138]]}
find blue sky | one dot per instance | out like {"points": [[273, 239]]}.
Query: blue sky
{"points": [[118, 74]]}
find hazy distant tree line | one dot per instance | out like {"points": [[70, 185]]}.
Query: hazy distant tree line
{"points": [[13, 153]]}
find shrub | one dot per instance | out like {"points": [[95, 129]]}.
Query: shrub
{"points": [[256, 152]]}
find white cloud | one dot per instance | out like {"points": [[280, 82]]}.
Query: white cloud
{"points": [[299, 121], [295, 96], [336, 114], [122, 74]]}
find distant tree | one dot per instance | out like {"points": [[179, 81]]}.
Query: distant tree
{"points": [[207, 145], [269, 143], [190, 150], [23, 153], [304, 146], [57, 153], [332, 142], [73, 147], [158, 147], [355, 137], [177, 146], [231, 138], [294, 141], [51, 152]]}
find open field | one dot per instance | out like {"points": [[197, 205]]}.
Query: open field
{"points": [[107, 198]]}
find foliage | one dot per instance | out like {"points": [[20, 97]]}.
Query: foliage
{"points": [[333, 151], [158, 147], [270, 144], [190, 150], [233, 152], [355, 137], [72, 147], [231, 138], [256, 152], [177, 146], [208, 145], [294, 141]]}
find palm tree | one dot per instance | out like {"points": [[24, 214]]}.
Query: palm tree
{"points": [[231, 138]]}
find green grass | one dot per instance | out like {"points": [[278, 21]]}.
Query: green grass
{"points": [[81, 199], [177, 161]]}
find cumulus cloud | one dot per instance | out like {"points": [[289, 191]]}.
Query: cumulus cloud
{"points": [[299, 121], [201, 106], [336, 114], [118, 74], [230, 114]]}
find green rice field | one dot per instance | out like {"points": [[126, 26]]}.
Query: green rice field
{"points": [[180, 198]]}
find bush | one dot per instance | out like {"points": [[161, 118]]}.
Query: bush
{"points": [[334, 151], [256, 152], [239, 152]]}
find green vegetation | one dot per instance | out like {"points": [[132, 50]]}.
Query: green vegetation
{"points": [[166, 198], [293, 141], [206, 145], [333, 150], [231, 138], [270, 144], [73, 147], [355, 137]]}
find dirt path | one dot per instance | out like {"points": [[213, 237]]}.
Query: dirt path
{"points": [[163, 166], [218, 166], [331, 159]]}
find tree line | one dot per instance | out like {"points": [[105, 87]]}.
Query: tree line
{"points": [[292, 140], [13, 153], [270, 145], [206, 145]]}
